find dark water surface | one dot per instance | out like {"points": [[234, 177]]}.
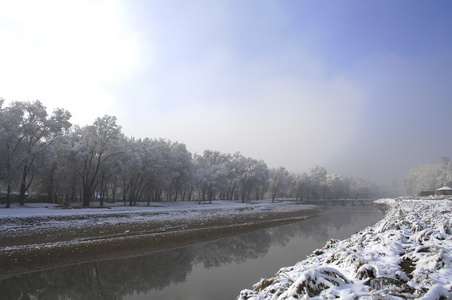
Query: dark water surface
{"points": [[211, 270]]}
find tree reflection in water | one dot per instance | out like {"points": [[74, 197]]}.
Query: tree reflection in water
{"points": [[116, 279]]}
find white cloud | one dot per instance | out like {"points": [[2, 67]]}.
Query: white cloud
{"points": [[66, 54]]}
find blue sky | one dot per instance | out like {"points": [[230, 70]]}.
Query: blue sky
{"points": [[360, 87]]}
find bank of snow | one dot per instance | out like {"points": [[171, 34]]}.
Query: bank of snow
{"points": [[406, 255], [40, 225], [44, 215]]}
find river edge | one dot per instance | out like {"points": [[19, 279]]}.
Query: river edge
{"points": [[32, 249]]}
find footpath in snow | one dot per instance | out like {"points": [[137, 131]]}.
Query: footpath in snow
{"points": [[407, 255]]}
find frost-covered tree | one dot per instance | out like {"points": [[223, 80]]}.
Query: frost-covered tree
{"points": [[157, 166], [11, 150], [38, 153], [181, 171], [338, 186], [429, 177], [445, 176], [318, 184], [423, 178], [319, 187], [212, 173], [279, 182], [62, 180], [130, 167], [38, 133], [28, 133], [95, 148], [254, 179], [151, 169], [300, 188], [262, 174], [361, 189], [162, 167], [236, 166]]}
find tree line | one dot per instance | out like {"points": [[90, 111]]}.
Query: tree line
{"points": [[429, 177], [43, 153]]}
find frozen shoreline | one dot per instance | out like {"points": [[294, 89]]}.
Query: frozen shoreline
{"points": [[406, 255]]}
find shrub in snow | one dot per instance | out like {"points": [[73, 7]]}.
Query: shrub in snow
{"points": [[313, 282], [391, 286], [366, 271]]}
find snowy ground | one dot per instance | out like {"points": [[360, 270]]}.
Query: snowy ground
{"points": [[46, 216], [44, 235], [172, 207], [406, 255]]}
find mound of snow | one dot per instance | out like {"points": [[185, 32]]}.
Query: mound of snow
{"points": [[406, 255]]}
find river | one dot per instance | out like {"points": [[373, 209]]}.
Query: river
{"points": [[213, 270]]}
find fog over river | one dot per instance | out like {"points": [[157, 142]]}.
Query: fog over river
{"points": [[213, 270]]}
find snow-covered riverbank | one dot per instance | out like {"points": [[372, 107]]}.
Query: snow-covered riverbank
{"points": [[41, 236], [406, 255]]}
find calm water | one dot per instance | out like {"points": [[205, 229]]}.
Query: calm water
{"points": [[212, 270]]}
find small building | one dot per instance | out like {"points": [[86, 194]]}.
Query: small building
{"points": [[426, 193], [444, 191]]}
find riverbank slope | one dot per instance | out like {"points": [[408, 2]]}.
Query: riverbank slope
{"points": [[406, 255], [42, 236]]}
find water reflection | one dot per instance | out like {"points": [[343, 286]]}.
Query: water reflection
{"points": [[120, 278]]}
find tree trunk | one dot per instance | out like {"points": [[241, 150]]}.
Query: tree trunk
{"points": [[8, 196], [101, 191], [22, 187], [183, 194], [113, 191], [131, 197], [86, 197], [211, 195], [50, 190], [189, 195], [124, 192], [168, 196]]}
